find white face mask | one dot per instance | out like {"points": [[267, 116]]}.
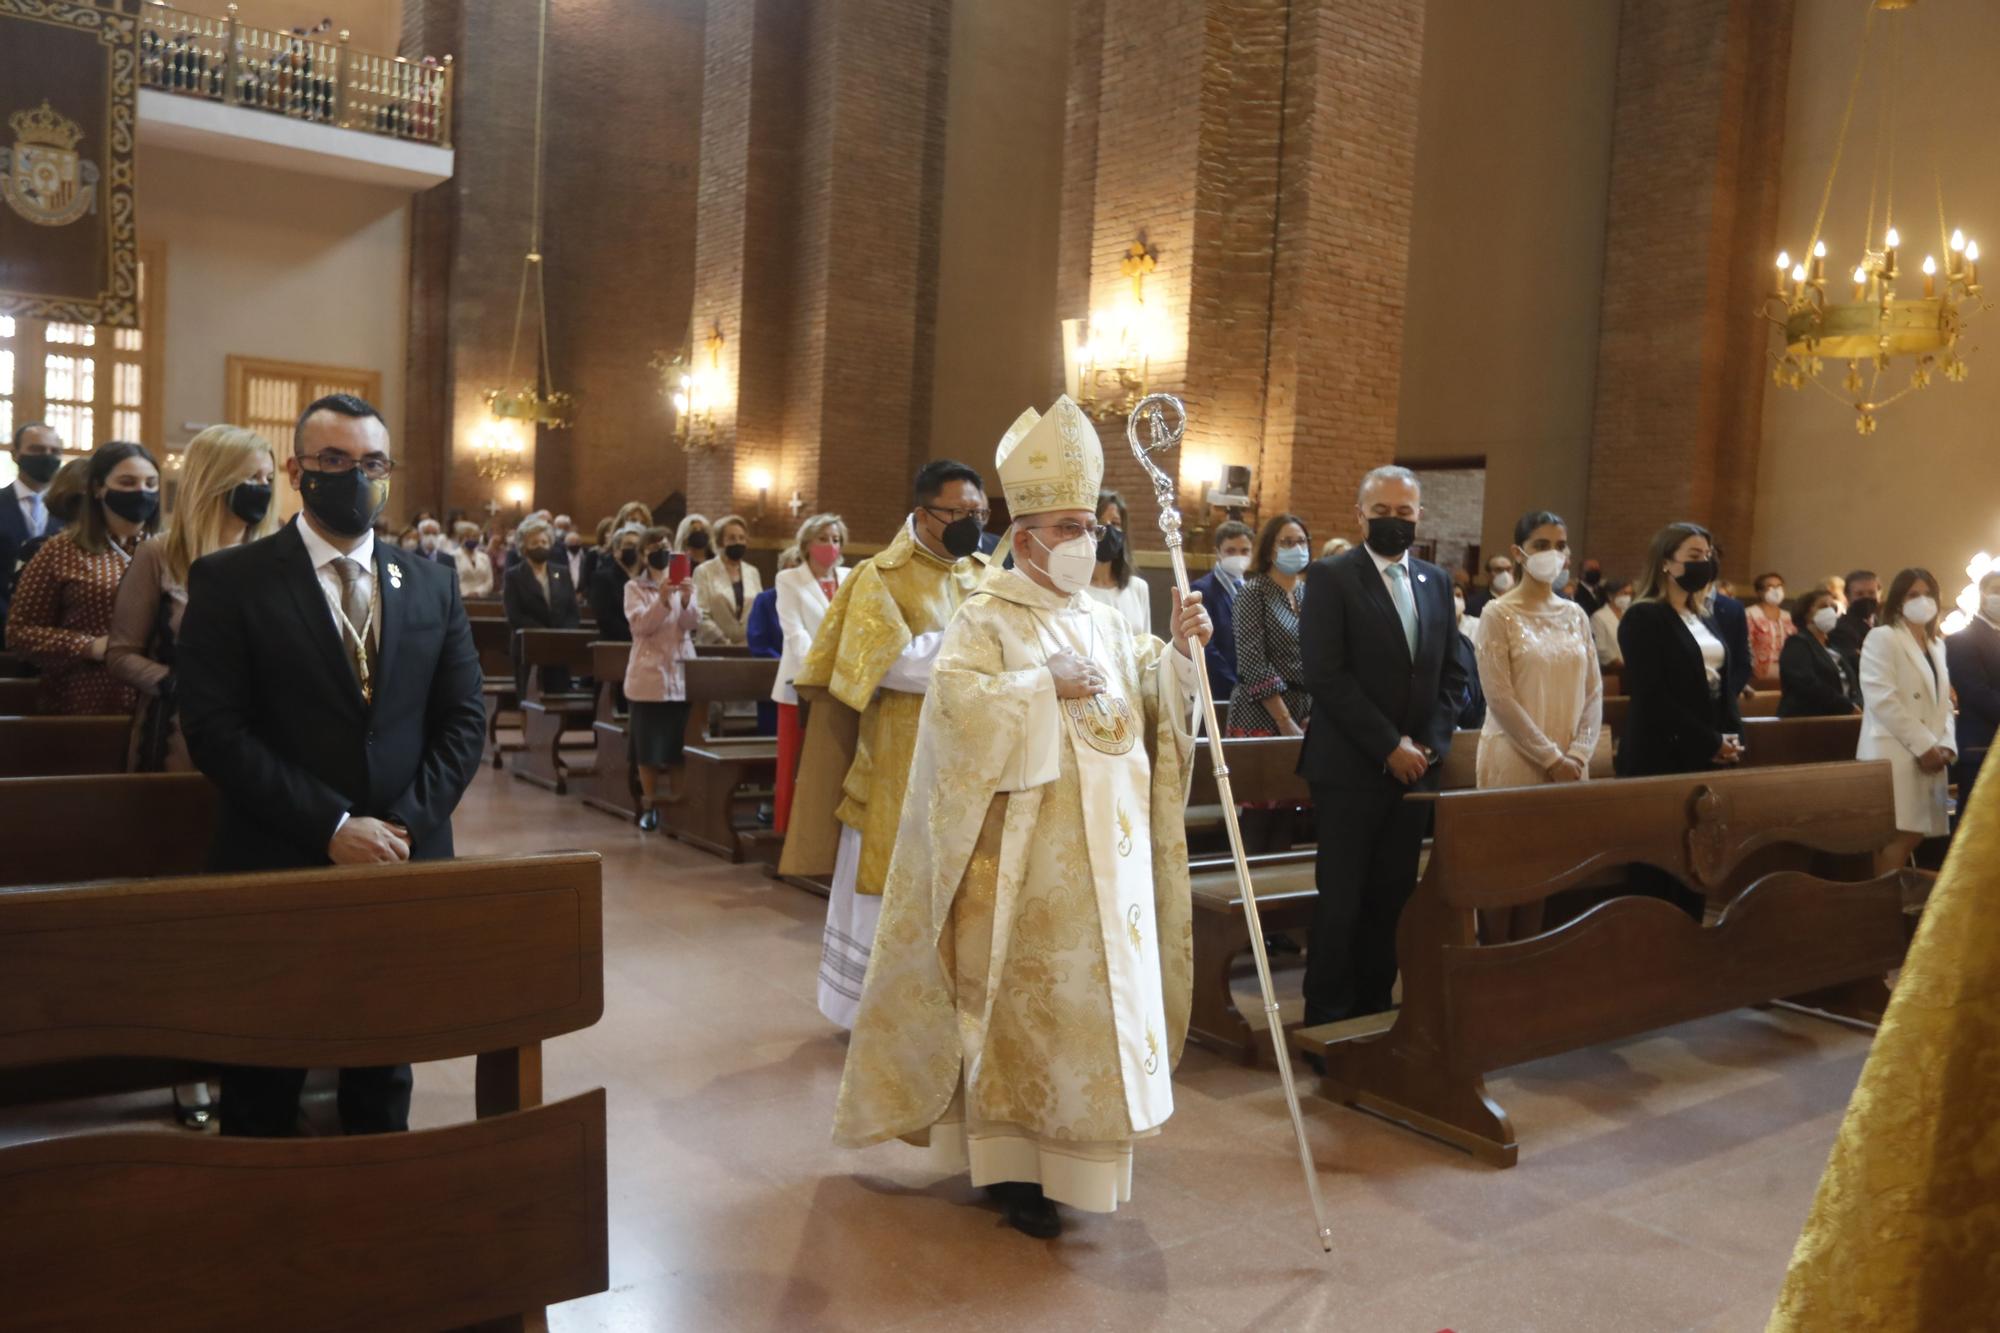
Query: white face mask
{"points": [[1920, 610], [1069, 564], [428, 541], [1774, 596], [1825, 619], [1990, 604], [1236, 566], [1544, 566], [1502, 581], [1622, 600]]}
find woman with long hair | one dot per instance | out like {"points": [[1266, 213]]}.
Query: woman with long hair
{"points": [[1681, 719], [61, 616], [1113, 581], [225, 500], [1538, 670], [804, 591], [1906, 713], [1270, 698]]}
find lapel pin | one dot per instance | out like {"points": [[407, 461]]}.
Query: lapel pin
{"points": [[395, 575]]}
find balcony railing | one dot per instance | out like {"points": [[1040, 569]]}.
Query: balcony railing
{"points": [[305, 76]]}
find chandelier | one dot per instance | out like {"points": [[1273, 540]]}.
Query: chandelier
{"points": [[694, 390], [1881, 327], [499, 451], [534, 401]]}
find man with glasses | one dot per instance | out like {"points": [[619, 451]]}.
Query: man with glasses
{"points": [[865, 679], [1030, 985], [24, 510], [329, 688]]}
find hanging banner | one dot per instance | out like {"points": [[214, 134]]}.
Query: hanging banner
{"points": [[69, 80]]}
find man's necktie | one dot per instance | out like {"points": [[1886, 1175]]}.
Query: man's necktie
{"points": [[1406, 605], [38, 515], [355, 634]]}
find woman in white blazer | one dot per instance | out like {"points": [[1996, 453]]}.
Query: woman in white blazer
{"points": [[725, 585], [1906, 708], [804, 592]]}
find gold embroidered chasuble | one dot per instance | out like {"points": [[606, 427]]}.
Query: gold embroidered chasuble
{"points": [[859, 737], [1032, 969], [1905, 1231]]}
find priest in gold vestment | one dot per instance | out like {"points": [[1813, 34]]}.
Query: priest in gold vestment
{"points": [[1028, 994], [1904, 1236], [865, 679]]}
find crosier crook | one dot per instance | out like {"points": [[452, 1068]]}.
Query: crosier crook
{"points": [[1166, 423]]}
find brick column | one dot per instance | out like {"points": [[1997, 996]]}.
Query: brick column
{"points": [[816, 251], [1696, 141]]}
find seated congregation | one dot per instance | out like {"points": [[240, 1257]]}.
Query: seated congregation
{"points": [[1595, 809]]}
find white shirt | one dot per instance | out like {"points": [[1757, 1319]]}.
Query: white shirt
{"points": [[1713, 654], [323, 553], [575, 567], [35, 524], [1382, 563], [1134, 601]]}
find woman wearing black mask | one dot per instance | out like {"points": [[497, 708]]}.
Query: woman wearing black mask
{"points": [[225, 500], [726, 585], [1113, 582], [607, 586], [61, 617], [1680, 719]]}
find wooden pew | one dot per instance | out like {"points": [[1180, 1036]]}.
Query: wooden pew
{"points": [[1759, 703], [547, 718], [20, 697], [614, 782], [484, 1221], [33, 747], [1770, 742], [1783, 858], [162, 821], [494, 642], [724, 773]]}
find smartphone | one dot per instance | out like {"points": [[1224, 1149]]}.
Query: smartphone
{"points": [[678, 568]]}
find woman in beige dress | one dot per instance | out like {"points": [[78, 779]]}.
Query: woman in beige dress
{"points": [[1538, 668]]}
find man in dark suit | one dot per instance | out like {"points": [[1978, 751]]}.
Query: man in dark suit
{"points": [[1973, 657], [329, 687], [1380, 639], [537, 594], [1864, 590], [1234, 543], [24, 512]]}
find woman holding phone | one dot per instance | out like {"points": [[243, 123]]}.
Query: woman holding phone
{"points": [[660, 608]]}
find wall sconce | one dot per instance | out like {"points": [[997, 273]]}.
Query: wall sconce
{"points": [[499, 449], [694, 390], [517, 495], [1107, 360], [760, 482]]}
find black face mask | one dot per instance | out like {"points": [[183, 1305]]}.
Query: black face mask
{"points": [[1865, 607], [960, 537], [1695, 575], [1110, 546], [628, 558], [250, 502], [1591, 576], [40, 468], [697, 541], [736, 551], [133, 506], [659, 559], [346, 503], [536, 555], [1389, 536]]}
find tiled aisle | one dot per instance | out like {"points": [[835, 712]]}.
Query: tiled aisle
{"points": [[1661, 1183]]}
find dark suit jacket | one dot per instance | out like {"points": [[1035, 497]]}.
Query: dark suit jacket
{"points": [[526, 608], [1221, 651], [1814, 682], [1973, 657], [1732, 624], [1472, 716], [1673, 724], [607, 602], [273, 715], [14, 536], [1367, 693], [1846, 639]]}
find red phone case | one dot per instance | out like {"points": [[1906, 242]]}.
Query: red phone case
{"points": [[677, 568]]}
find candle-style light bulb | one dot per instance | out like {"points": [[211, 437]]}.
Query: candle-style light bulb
{"points": [[1957, 239], [1930, 266], [1972, 251], [1784, 261], [1893, 238], [1798, 273], [1860, 274], [1819, 249]]}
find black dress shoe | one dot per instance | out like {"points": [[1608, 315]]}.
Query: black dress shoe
{"points": [[1027, 1209], [649, 822]]}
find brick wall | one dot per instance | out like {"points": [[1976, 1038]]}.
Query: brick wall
{"points": [[1696, 138]]}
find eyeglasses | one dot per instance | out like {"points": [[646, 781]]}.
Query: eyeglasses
{"points": [[1070, 529], [954, 515], [374, 466]]}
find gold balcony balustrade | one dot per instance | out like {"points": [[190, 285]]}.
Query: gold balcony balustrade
{"points": [[310, 76]]}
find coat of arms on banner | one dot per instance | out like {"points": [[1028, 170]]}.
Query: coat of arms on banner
{"points": [[43, 177]]}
